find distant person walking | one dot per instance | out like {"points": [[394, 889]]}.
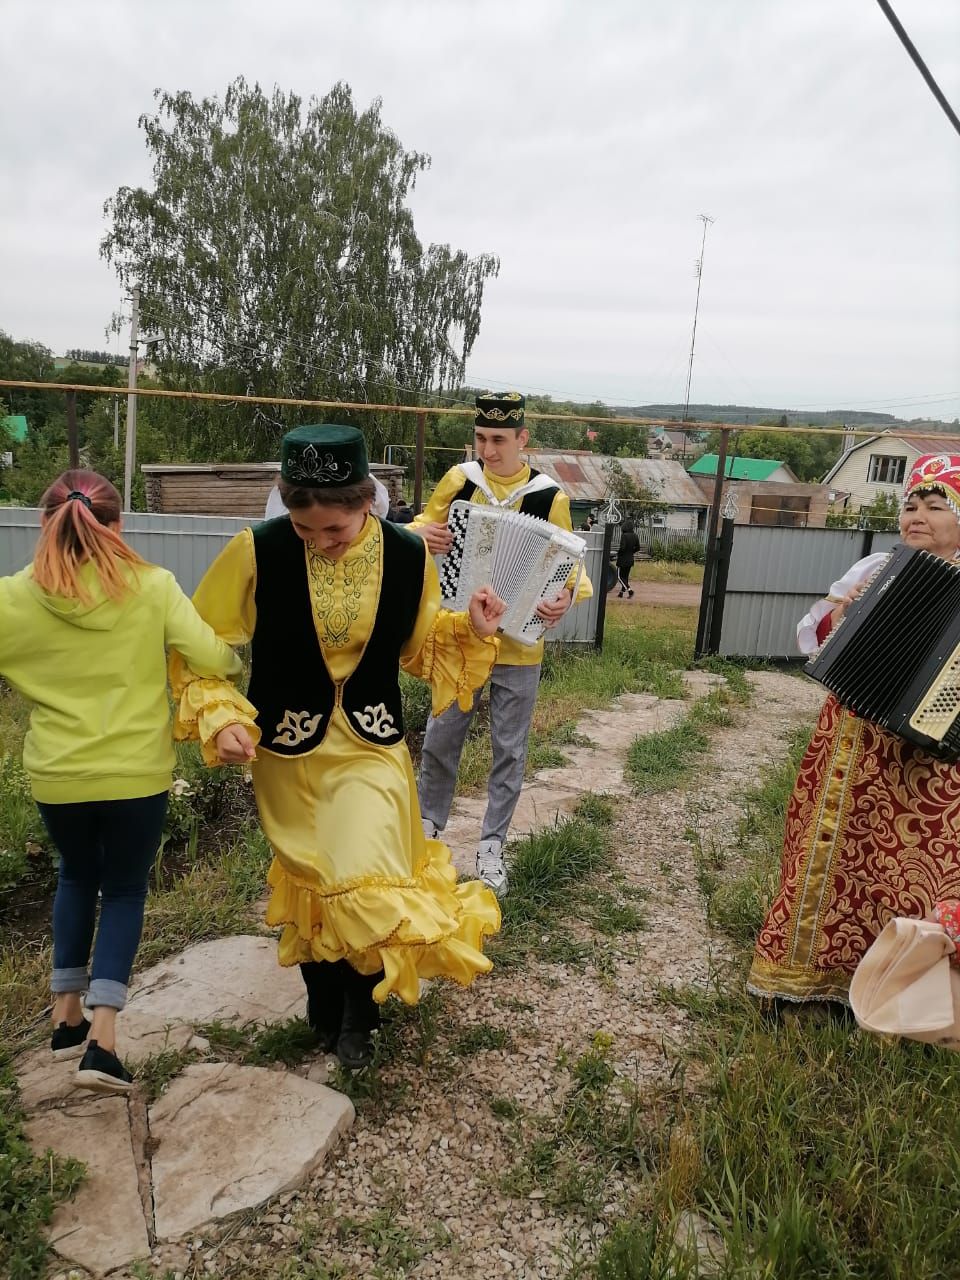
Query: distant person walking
{"points": [[626, 552], [83, 637]]}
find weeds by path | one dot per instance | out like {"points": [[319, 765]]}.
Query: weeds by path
{"points": [[31, 1186], [812, 1150], [644, 651]]}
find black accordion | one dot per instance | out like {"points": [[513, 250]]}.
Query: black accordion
{"points": [[894, 658]]}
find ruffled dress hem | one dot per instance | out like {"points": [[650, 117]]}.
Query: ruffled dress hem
{"points": [[427, 926]]}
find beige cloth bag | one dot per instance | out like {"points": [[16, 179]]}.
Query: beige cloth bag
{"points": [[905, 985]]}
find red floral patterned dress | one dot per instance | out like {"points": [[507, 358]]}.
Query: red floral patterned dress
{"points": [[872, 832]]}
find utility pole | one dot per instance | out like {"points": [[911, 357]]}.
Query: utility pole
{"points": [[116, 422], [706, 220], [130, 450], [73, 437]]}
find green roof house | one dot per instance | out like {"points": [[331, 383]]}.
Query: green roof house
{"points": [[755, 469]]}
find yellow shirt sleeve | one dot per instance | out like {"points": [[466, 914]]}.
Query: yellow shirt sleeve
{"points": [[438, 507], [225, 600], [444, 649]]}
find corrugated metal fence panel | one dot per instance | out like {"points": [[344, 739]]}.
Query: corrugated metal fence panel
{"points": [[183, 544], [579, 625], [186, 545], [774, 577]]}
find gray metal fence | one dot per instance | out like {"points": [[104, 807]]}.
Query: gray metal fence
{"points": [[186, 545], [773, 577]]}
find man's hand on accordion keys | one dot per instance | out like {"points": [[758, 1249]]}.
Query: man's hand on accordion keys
{"points": [[437, 537], [551, 611], [485, 609]]}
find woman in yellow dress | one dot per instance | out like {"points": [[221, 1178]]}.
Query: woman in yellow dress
{"points": [[333, 602]]}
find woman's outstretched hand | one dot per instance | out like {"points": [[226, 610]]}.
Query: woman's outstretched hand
{"points": [[485, 609], [234, 745]]}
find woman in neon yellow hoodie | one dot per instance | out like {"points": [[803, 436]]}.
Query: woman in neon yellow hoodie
{"points": [[83, 637]]}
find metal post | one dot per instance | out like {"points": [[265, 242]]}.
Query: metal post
{"points": [[116, 422], [724, 548], [709, 568], [73, 438], [600, 588], [418, 465], [130, 449]]}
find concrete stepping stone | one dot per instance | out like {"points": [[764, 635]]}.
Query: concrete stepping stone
{"points": [[229, 1137], [230, 980], [103, 1226]]}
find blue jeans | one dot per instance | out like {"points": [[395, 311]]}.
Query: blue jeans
{"points": [[106, 848]]}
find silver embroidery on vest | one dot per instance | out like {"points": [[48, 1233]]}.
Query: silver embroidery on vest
{"points": [[297, 727], [376, 720]]}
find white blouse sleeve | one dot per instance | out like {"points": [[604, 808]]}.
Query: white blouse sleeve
{"points": [[807, 626]]}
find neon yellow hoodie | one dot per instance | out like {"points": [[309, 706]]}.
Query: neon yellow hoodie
{"points": [[96, 676]]}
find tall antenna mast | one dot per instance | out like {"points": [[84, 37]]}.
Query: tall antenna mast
{"points": [[706, 220]]}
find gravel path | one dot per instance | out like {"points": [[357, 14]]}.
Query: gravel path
{"points": [[417, 1189]]}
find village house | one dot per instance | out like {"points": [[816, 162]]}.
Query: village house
{"points": [[878, 465], [766, 492]]}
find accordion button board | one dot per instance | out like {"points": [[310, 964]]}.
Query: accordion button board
{"points": [[524, 559], [894, 658]]}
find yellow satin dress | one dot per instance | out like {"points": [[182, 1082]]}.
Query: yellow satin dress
{"points": [[352, 875]]}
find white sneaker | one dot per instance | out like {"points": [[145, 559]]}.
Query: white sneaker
{"points": [[491, 868], [430, 829]]}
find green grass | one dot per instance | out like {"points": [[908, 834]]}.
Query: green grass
{"points": [[599, 1129], [661, 761], [813, 1150], [31, 1186], [257, 1046], [666, 571]]}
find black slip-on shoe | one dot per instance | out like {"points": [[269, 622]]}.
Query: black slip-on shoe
{"points": [[68, 1042], [103, 1071]]}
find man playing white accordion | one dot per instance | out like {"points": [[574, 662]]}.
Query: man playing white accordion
{"points": [[497, 476]]}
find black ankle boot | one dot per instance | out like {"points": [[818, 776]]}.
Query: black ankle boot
{"points": [[355, 1049]]}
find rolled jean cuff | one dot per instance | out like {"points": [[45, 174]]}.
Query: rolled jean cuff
{"points": [[68, 981], [104, 991]]}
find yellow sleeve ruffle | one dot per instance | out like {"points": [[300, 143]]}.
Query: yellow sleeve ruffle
{"points": [[203, 707], [225, 599], [454, 660]]}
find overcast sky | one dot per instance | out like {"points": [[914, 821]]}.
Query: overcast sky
{"points": [[578, 140]]}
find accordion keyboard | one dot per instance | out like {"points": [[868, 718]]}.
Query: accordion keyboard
{"points": [[524, 559]]}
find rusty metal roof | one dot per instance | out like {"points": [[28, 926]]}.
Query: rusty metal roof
{"points": [[583, 476]]}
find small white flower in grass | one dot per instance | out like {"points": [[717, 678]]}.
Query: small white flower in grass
{"points": [[181, 787]]}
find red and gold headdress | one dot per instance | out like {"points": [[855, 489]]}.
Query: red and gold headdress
{"points": [[939, 471]]}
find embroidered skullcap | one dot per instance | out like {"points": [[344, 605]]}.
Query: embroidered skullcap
{"points": [[321, 457], [500, 408], [938, 471]]}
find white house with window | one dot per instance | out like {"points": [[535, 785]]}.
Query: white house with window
{"points": [[880, 464]]}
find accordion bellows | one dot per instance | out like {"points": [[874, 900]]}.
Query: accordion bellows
{"points": [[895, 656], [524, 559]]}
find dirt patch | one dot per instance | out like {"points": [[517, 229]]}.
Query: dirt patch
{"points": [[672, 593]]}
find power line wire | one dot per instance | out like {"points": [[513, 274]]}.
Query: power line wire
{"points": [[920, 64]]}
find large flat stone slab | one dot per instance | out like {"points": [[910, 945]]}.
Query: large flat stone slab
{"points": [[103, 1226], [230, 1137], [229, 979]]}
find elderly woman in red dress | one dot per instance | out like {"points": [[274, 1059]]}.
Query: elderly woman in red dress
{"points": [[873, 825]]}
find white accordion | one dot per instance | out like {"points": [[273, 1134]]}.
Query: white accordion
{"points": [[524, 559]]}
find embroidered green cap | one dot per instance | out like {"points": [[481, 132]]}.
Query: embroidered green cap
{"points": [[324, 456], [495, 407]]}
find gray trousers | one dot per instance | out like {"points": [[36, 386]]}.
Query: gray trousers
{"points": [[513, 694]]}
